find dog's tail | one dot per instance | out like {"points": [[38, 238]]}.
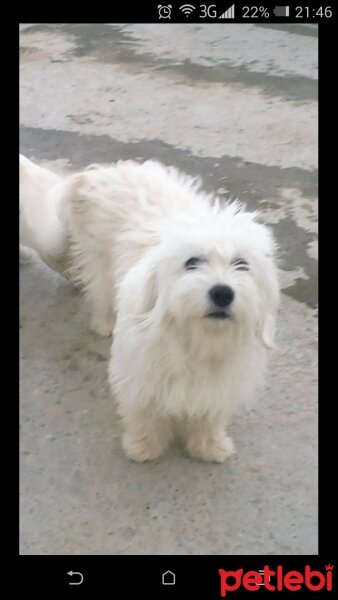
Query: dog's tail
{"points": [[32, 174], [42, 220]]}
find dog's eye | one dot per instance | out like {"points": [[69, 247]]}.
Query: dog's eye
{"points": [[240, 264], [192, 263]]}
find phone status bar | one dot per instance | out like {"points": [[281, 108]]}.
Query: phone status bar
{"points": [[241, 12]]}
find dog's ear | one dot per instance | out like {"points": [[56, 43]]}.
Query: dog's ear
{"points": [[139, 290], [266, 330], [147, 291], [269, 305]]}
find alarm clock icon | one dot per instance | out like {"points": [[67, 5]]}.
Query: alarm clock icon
{"points": [[164, 11]]}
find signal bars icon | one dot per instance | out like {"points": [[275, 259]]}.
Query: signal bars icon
{"points": [[228, 14]]}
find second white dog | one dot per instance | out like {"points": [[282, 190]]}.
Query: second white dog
{"points": [[192, 284]]}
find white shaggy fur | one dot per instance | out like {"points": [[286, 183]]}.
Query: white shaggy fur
{"points": [[42, 224], [133, 228]]}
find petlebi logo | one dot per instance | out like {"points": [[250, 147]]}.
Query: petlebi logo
{"points": [[277, 579]]}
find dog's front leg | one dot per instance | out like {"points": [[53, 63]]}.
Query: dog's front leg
{"points": [[147, 434], [103, 318], [207, 440], [102, 323]]}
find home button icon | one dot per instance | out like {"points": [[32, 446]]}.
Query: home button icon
{"points": [[168, 578]]}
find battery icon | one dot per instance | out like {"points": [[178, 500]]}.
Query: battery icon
{"points": [[281, 11]]}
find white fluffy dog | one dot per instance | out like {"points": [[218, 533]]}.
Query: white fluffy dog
{"points": [[43, 227], [192, 284]]}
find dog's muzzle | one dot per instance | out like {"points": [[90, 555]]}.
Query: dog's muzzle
{"points": [[221, 296]]}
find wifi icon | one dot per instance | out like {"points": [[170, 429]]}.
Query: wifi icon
{"points": [[187, 9]]}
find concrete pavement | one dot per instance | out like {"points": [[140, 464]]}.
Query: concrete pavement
{"points": [[236, 104]]}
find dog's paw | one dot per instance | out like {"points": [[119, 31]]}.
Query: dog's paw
{"points": [[101, 327], [143, 448], [213, 448]]}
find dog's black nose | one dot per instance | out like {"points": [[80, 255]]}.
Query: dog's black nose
{"points": [[221, 295]]}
